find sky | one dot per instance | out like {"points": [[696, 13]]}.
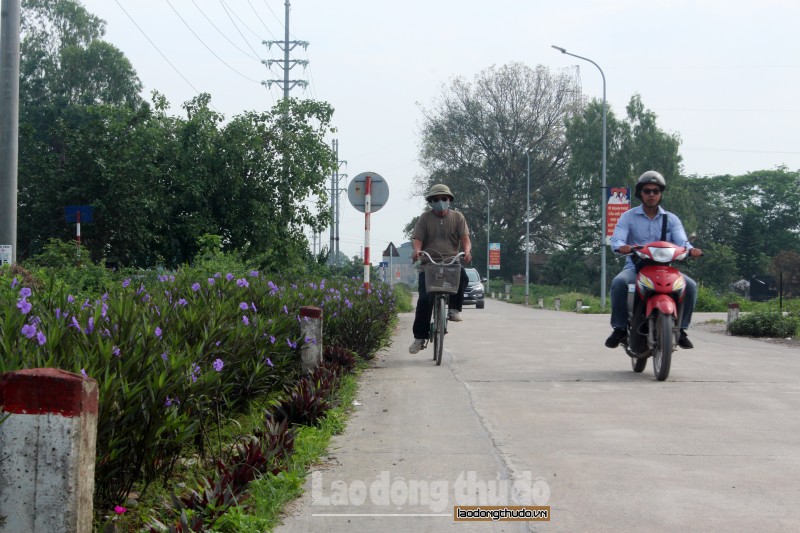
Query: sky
{"points": [[722, 74]]}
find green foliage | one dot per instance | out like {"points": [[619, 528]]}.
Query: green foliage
{"points": [[764, 324], [403, 295], [171, 357], [357, 318], [478, 135]]}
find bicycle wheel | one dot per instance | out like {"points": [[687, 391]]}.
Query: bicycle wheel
{"points": [[438, 340]]}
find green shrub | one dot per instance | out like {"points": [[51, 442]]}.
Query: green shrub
{"points": [[764, 324]]}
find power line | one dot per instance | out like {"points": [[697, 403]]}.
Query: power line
{"points": [[225, 36], [237, 27], [259, 18], [158, 50], [207, 47]]}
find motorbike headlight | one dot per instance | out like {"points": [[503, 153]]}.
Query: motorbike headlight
{"points": [[662, 255]]}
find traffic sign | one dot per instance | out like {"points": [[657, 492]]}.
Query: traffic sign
{"points": [[379, 192]]}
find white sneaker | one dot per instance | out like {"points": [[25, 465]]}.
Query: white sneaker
{"points": [[416, 346], [454, 315]]}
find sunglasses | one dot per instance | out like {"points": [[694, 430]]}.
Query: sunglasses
{"points": [[651, 191], [439, 198]]}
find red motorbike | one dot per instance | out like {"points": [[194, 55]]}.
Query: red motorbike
{"points": [[655, 306]]}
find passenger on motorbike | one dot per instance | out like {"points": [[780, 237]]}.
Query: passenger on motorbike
{"points": [[647, 223]]}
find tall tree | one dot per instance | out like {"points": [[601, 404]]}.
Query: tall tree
{"points": [[481, 132], [634, 144]]}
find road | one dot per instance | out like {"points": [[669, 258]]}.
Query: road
{"points": [[531, 399]]}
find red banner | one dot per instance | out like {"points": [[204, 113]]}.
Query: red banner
{"points": [[618, 201]]}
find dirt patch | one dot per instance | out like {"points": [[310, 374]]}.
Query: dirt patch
{"points": [[719, 328]]}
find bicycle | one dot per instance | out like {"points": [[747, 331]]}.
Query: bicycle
{"points": [[441, 279]]}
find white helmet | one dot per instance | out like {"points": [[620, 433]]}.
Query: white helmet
{"points": [[651, 176]]}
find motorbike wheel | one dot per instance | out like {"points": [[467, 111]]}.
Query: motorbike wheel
{"points": [[662, 352], [638, 364]]}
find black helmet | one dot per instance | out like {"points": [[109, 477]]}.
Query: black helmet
{"points": [[651, 176]]}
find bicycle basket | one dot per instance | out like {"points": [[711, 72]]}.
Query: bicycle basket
{"points": [[442, 278]]}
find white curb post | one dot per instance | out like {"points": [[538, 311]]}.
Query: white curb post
{"points": [[311, 329], [558, 304], [47, 451], [541, 303], [733, 314]]}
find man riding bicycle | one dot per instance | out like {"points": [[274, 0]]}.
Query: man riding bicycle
{"points": [[442, 233]]}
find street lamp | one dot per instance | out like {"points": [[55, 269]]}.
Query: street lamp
{"points": [[487, 236], [603, 187], [528, 234]]}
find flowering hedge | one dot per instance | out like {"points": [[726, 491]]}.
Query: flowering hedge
{"points": [[170, 359]]}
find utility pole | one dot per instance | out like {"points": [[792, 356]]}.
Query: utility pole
{"points": [[335, 201], [9, 128], [287, 46]]}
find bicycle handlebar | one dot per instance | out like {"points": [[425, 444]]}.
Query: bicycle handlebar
{"points": [[453, 259]]}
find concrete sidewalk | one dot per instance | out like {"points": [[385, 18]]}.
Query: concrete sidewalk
{"points": [[533, 397]]}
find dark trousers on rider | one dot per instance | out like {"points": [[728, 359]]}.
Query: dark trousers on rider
{"points": [[422, 318], [619, 299]]}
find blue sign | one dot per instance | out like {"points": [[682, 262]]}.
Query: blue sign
{"points": [[86, 211]]}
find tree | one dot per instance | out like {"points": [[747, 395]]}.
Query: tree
{"points": [[634, 145], [480, 132]]}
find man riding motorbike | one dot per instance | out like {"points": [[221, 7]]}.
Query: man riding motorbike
{"points": [[641, 225]]}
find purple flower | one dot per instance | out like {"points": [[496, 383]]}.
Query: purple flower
{"points": [[40, 338], [24, 306], [218, 274], [243, 306], [269, 362], [272, 287], [218, 343], [169, 401], [29, 331], [229, 276], [70, 299], [195, 287], [291, 344], [158, 331], [164, 356], [182, 301], [86, 304], [218, 364], [254, 273], [162, 278], [104, 311], [210, 281], [245, 321], [311, 340], [90, 326], [14, 282], [24, 292], [126, 283], [83, 373], [115, 351], [242, 282], [285, 310], [348, 304], [272, 339], [75, 324], [253, 307]]}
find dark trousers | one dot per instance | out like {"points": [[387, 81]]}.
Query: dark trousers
{"points": [[422, 319]]}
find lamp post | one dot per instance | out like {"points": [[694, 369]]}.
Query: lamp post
{"points": [[528, 233], [487, 236], [603, 187]]}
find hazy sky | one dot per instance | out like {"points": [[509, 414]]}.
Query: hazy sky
{"points": [[723, 74]]}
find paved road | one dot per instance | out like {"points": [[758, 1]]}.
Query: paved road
{"points": [[532, 399]]}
